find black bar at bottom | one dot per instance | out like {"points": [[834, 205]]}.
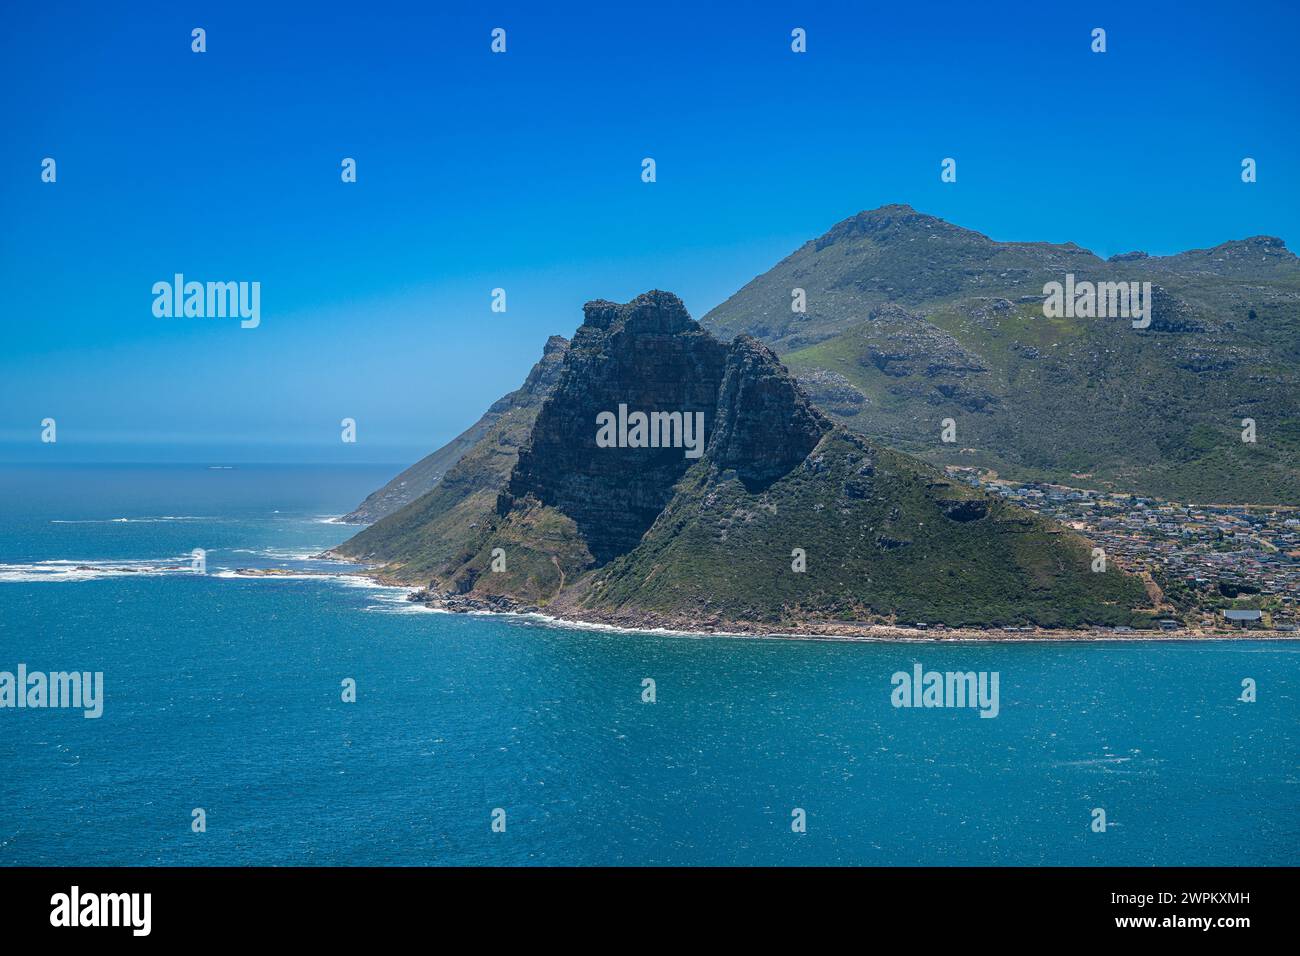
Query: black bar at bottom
{"points": [[211, 905]]}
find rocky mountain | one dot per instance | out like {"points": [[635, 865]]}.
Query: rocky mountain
{"points": [[911, 320], [428, 471], [733, 502]]}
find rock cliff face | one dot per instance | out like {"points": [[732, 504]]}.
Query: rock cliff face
{"points": [[648, 356], [782, 518], [428, 471], [764, 424]]}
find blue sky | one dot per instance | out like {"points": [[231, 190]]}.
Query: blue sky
{"points": [[522, 171]]}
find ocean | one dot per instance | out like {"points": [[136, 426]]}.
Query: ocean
{"points": [[224, 693]]}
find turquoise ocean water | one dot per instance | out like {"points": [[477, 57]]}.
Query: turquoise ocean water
{"points": [[224, 693]]}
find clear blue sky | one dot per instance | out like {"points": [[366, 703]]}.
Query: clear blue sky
{"points": [[523, 171]]}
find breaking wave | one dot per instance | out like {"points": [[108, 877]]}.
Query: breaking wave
{"points": [[90, 570], [147, 520]]}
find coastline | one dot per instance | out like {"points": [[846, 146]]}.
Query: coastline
{"points": [[838, 630], [806, 630], [903, 635]]}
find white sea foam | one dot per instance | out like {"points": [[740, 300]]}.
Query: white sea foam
{"points": [[90, 570], [282, 574], [292, 574], [394, 601], [147, 520], [286, 554], [547, 620]]}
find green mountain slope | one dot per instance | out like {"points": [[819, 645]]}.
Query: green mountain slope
{"points": [[885, 539], [412, 542], [911, 320]]}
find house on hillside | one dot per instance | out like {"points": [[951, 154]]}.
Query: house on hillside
{"points": [[1243, 618]]}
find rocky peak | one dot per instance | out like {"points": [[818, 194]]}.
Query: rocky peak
{"points": [[654, 311], [765, 425], [541, 379], [543, 376], [1236, 256], [896, 222], [647, 355], [1256, 246]]}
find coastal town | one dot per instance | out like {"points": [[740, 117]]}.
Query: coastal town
{"points": [[1219, 566]]}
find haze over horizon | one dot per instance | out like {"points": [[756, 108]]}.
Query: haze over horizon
{"points": [[478, 171]]}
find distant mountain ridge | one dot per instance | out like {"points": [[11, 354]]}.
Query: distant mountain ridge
{"points": [[912, 320], [785, 519], [428, 471]]}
